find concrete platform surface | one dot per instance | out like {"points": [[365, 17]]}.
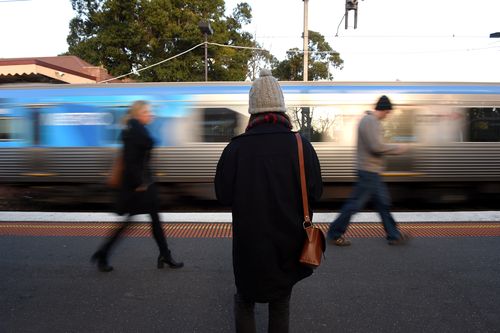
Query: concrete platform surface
{"points": [[445, 284]]}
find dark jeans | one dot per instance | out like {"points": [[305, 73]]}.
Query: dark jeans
{"points": [[158, 235], [369, 185], [279, 313]]}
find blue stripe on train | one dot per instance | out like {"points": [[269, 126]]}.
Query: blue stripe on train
{"points": [[135, 91]]}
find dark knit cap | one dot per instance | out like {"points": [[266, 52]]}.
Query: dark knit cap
{"points": [[383, 104]]}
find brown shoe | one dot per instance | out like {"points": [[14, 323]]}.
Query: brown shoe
{"points": [[403, 239], [341, 241]]}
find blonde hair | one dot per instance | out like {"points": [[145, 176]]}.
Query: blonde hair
{"points": [[133, 110]]}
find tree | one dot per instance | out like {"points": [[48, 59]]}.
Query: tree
{"points": [[127, 35], [321, 59], [260, 59], [312, 126]]}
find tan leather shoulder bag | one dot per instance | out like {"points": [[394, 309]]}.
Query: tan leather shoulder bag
{"points": [[315, 243]]}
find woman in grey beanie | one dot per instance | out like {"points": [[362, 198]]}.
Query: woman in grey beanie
{"points": [[258, 176]]}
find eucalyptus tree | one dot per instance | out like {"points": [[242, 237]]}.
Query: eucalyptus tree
{"points": [[322, 59], [128, 35]]}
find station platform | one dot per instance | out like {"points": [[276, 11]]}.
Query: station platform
{"points": [[445, 279], [224, 230]]}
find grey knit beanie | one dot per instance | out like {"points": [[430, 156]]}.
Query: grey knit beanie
{"points": [[266, 95]]}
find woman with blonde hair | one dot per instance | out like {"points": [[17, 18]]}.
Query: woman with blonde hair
{"points": [[137, 193]]}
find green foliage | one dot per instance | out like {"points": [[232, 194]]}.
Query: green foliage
{"points": [[321, 59], [260, 59], [126, 35]]}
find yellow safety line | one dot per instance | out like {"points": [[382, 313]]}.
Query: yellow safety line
{"points": [[413, 226], [225, 227], [450, 226]]}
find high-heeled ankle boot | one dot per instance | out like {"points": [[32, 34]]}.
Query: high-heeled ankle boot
{"points": [[167, 259], [102, 261]]}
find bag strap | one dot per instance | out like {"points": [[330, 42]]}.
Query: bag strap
{"points": [[305, 204]]}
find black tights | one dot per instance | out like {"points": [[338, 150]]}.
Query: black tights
{"points": [[158, 235], [279, 315]]}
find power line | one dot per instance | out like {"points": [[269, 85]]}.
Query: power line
{"points": [[238, 47], [343, 17], [136, 71], [402, 52], [373, 36], [471, 49]]}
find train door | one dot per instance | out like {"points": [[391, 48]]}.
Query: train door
{"points": [[13, 127], [14, 139], [37, 162], [399, 128], [74, 136]]}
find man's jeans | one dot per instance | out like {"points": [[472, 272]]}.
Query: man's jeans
{"points": [[369, 185]]}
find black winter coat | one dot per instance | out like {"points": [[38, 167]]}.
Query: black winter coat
{"points": [[137, 145], [258, 176]]}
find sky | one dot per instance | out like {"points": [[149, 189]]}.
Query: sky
{"points": [[405, 40]]}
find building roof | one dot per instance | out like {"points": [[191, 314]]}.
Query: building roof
{"points": [[60, 69]]}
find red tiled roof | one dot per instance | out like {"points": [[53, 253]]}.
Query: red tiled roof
{"points": [[69, 64]]}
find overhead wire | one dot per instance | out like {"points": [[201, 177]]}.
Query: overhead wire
{"points": [[402, 52], [136, 71], [338, 27], [372, 36], [237, 47]]}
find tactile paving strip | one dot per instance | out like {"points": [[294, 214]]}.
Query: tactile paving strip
{"points": [[224, 230]]}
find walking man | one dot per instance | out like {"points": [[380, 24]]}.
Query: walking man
{"points": [[370, 163]]}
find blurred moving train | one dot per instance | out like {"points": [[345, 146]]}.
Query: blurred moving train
{"points": [[62, 136]]}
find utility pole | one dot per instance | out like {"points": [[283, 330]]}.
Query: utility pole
{"points": [[206, 30], [206, 57], [351, 5], [306, 41]]}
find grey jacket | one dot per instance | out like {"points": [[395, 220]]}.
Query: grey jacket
{"points": [[371, 148]]}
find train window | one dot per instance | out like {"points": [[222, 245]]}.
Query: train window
{"points": [[315, 123], [219, 124], [484, 124], [9, 129], [398, 126]]}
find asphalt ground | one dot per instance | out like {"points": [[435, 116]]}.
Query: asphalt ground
{"points": [[432, 284]]}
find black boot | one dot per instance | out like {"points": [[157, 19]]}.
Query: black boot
{"points": [[102, 261], [167, 259]]}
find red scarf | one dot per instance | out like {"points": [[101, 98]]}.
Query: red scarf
{"points": [[269, 118]]}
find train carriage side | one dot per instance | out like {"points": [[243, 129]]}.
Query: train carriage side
{"points": [[453, 131], [450, 127], [70, 134], [458, 156]]}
